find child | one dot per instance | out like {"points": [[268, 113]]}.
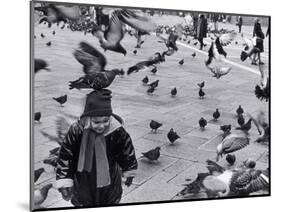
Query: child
{"points": [[94, 149]]}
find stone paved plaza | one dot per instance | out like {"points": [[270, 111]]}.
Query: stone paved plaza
{"points": [[164, 179]]}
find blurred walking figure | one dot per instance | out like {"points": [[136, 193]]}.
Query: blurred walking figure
{"points": [[239, 23], [101, 18], [257, 32], [202, 30], [215, 20], [195, 23], [139, 40]]}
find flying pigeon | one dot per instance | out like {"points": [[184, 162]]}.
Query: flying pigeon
{"points": [[62, 126], [153, 60], [218, 71], [201, 85], [262, 90], [41, 194], [171, 41], [249, 48], [232, 143], [216, 49], [96, 77], [61, 99], [111, 38], [38, 173], [40, 64], [58, 13]]}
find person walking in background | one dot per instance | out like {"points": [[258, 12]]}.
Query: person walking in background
{"points": [[257, 32], [195, 23], [239, 23], [215, 20], [202, 30], [268, 31]]}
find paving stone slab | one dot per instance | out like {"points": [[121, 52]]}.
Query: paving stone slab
{"points": [[147, 169]]}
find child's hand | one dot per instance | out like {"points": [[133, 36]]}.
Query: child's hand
{"points": [[129, 181], [66, 193]]}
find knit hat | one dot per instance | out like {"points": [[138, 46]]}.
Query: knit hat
{"points": [[98, 103]]}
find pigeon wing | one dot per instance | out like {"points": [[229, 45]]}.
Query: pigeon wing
{"points": [[115, 33], [210, 54], [224, 70], [233, 143], [62, 126], [263, 81], [225, 39], [249, 43], [137, 20], [241, 180], [258, 182], [51, 137], [91, 58], [69, 12]]}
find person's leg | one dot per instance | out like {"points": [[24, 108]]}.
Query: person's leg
{"points": [[138, 40], [201, 43], [259, 59], [254, 60]]}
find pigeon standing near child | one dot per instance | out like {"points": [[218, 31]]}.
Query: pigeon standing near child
{"points": [[153, 154]]}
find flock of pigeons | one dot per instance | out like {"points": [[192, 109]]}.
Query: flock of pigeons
{"points": [[243, 180]]}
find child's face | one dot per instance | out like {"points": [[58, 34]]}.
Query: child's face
{"points": [[99, 124]]}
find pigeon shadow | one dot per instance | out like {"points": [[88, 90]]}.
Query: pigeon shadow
{"points": [[150, 162]]}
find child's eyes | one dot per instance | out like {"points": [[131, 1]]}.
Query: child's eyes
{"points": [[102, 122]]}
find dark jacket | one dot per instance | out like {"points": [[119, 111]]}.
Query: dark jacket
{"points": [[240, 20], [121, 157], [202, 27], [258, 31]]}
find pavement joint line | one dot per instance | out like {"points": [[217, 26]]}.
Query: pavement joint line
{"points": [[156, 173], [178, 174], [209, 141]]}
